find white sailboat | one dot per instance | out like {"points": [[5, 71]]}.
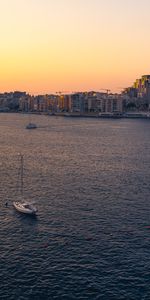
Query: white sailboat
{"points": [[24, 207], [31, 125]]}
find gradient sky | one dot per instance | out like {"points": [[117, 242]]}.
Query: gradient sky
{"points": [[73, 45]]}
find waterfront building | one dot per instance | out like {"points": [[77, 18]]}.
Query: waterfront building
{"points": [[139, 92], [79, 102], [52, 103], [104, 102], [10, 101], [26, 103], [93, 102], [67, 103]]}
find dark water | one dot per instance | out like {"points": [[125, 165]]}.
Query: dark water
{"points": [[90, 181]]}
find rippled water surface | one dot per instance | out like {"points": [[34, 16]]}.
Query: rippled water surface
{"points": [[90, 179]]}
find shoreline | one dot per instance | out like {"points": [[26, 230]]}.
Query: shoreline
{"points": [[105, 115], [129, 115]]}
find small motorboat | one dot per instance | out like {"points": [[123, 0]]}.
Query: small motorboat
{"points": [[25, 208], [31, 126]]}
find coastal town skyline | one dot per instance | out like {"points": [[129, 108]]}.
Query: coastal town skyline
{"points": [[68, 46]]}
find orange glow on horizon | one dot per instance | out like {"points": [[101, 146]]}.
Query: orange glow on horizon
{"points": [[72, 46]]}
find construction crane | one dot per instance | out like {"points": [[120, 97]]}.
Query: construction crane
{"points": [[121, 89], [107, 90], [62, 92]]}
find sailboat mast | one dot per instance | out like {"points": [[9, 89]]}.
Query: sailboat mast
{"points": [[21, 170]]}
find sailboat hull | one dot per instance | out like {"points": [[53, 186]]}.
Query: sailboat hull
{"points": [[25, 208], [31, 126]]}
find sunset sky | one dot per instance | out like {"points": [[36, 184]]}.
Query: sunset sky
{"points": [[73, 45]]}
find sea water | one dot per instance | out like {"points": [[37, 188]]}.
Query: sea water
{"points": [[90, 180]]}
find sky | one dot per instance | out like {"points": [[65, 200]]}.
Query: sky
{"points": [[47, 46]]}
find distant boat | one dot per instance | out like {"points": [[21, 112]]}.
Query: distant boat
{"points": [[31, 126], [24, 207]]}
